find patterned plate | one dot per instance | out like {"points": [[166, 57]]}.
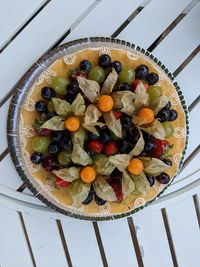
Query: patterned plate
{"points": [[21, 115]]}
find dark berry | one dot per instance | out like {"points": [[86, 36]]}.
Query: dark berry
{"points": [[44, 132], [89, 152], [146, 136], [163, 178], [173, 115], [141, 72], [92, 136], [85, 65], [57, 135], [89, 198], [116, 65], [163, 115], [124, 87], [50, 115], [37, 157], [41, 106], [149, 145], [111, 148], [48, 163], [124, 146], [104, 61], [48, 93], [73, 88], [126, 122], [99, 201], [116, 175], [96, 146], [66, 143], [117, 114], [152, 78], [70, 98], [133, 134], [151, 180], [168, 162], [54, 148], [105, 137]]}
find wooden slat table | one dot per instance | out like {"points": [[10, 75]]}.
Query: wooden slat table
{"points": [[164, 234]]}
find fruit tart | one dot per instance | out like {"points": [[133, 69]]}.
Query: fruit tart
{"points": [[102, 131]]}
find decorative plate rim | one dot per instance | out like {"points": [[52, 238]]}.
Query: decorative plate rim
{"points": [[13, 109]]}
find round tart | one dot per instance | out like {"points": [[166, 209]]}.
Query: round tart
{"points": [[98, 128]]}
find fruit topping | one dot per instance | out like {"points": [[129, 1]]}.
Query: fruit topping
{"points": [[151, 180], [169, 130], [48, 93], [116, 65], [60, 182], [95, 146], [105, 103], [72, 124], [154, 92], [88, 174], [85, 65], [135, 166], [124, 87], [40, 143], [152, 78], [127, 75], [104, 61], [59, 84], [117, 114], [141, 72], [111, 148], [163, 115], [41, 106], [37, 157], [173, 115], [163, 178], [54, 148], [146, 114], [48, 163], [97, 74], [136, 82]]}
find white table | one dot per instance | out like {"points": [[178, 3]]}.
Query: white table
{"points": [[166, 233]]}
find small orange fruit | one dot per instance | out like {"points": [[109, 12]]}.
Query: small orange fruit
{"points": [[135, 166], [105, 103], [72, 124], [146, 114], [88, 174]]}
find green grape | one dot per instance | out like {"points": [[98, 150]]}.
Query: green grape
{"points": [[169, 130], [40, 143], [107, 71], [97, 74], [59, 84], [127, 75], [50, 106], [154, 92], [64, 158], [99, 157]]}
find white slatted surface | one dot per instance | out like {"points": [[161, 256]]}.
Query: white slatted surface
{"points": [[20, 11], [43, 233], [12, 253]]}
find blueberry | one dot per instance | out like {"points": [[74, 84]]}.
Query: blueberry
{"points": [[124, 87], [104, 61], [50, 115], [89, 152], [141, 72], [88, 200], [48, 93], [73, 88], [163, 178], [70, 98], [124, 146], [54, 148], [57, 135], [146, 136], [41, 106], [173, 115], [105, 137], [149, 145], [151, 180], [92, 136], [66, 143], [99, 201], [85, 65], [152, 78], [37, 157], [168, 162], [116, 65], [126, 122], [133, 134], [116, 176], [163, 115]]}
